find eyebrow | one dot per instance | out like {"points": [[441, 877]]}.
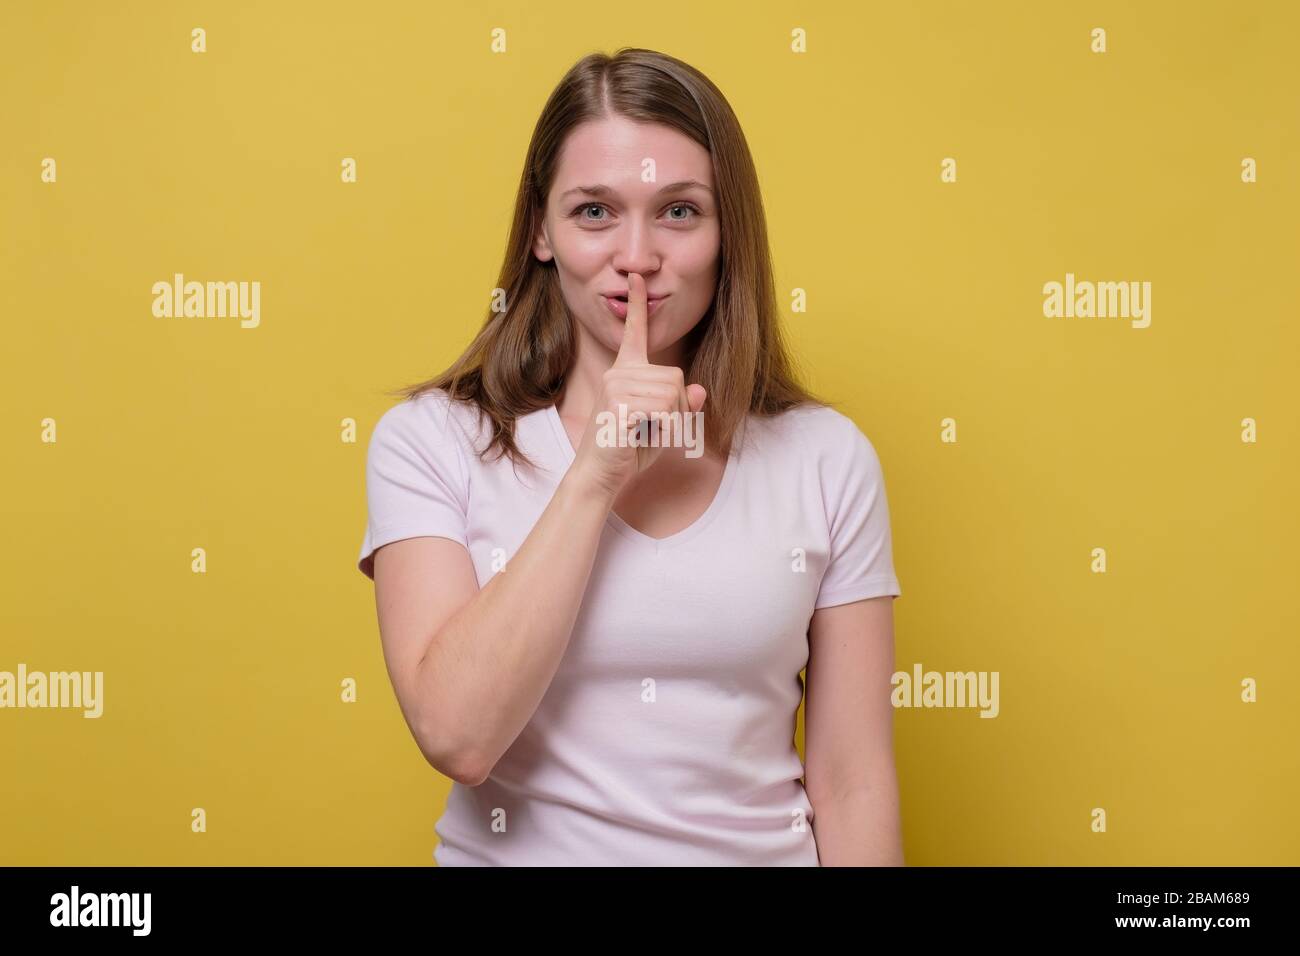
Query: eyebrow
{"points": [[603, 190]]}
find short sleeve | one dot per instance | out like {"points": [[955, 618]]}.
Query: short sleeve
{"points": [[416, 478], [861, 562]]}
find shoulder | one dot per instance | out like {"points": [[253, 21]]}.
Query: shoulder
{"points": [[431, 417], [821, 434], [429, 430]]}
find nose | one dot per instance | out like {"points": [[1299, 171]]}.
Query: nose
{"points": [[635, 250]]}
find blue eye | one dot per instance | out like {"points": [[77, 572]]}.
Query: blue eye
{"points": [[595, 205]]}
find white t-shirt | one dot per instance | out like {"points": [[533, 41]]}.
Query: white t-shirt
{"points": [[667, 735]]}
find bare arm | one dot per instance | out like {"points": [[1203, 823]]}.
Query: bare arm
{"points": [[849, 735], [470, 667]]}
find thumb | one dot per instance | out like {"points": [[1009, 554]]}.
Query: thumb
{"points": [[695, 394]]}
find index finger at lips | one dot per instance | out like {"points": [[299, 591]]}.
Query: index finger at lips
{"points": [[632, 351]]}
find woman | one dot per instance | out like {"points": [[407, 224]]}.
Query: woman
{"points": [[598, 630]]}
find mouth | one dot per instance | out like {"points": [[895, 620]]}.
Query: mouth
{"points": [[618, 305]]}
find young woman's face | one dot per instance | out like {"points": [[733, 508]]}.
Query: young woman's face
{"points": [[666, 231]]}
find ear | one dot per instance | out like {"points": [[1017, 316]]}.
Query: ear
{"points": [[542, 244]]}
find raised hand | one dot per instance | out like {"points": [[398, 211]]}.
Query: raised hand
{"points": [[643, 390]]}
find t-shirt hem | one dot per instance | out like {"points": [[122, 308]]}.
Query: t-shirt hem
{"points": [[387, 535], [876, 586]]}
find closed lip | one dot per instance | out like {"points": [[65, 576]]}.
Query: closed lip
{"points": [[622, 294]]}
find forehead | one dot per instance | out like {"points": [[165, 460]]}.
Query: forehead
{"points": [[613, 151]]}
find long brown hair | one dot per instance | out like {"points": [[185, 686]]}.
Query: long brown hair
{"points": [[517, 362]]}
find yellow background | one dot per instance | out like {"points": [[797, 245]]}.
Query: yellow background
{"points": [[222, 690]]}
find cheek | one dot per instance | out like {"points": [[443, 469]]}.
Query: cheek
{"points": [[697, 260], [583, 249], [578, 256]]}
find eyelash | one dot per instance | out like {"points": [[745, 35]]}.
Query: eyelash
{"points": [[587, 205]]}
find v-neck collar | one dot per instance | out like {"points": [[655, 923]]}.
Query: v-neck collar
{"points": [[568, 455]]}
